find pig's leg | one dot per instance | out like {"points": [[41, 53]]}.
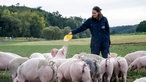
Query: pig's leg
{"points": [[86, 81], [74, 81], [145, 68], [109, 78], [86, 77], [117, 78], [100, 77], [96, 80], [138, 68], [60, 77], [124, 77], [19, 78], [109, 75], [44, 79]]}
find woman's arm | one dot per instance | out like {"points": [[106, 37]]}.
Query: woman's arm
{"points": [[83, 27], [108, 29]]}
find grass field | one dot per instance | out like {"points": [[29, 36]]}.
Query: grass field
{"points": [[121, 44]]}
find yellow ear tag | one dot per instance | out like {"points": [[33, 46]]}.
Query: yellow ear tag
{"points": [[68, 37]]}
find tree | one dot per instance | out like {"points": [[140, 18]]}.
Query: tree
{"points": [[141, 27], [66, 30], [58, 34], [17, 4], [52, 33], [6, 12], [37, 24], [1, 31], [32, 24], [33, 20], [47, 33], [10, 26], [39, 7]]}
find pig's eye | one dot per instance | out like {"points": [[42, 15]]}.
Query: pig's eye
{"points": [[133, 66]]}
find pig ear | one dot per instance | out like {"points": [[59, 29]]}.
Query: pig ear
{"points": [[129, 67], [62, 51], [134, 66]]}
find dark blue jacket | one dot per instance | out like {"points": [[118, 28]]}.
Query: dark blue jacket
{"points": [[100, 30]]}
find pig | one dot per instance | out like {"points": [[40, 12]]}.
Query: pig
{"points": [[91, 56], [10, 54], [37, 55], [94, 69], [58, 62], [79, 56], [132, 56], [112, 55], [143, 79], [46, 56], [36, 69], [60, 57], [106, 67], [138, 63], [120, 68], [74, 70], [5, 58], [95, 57], [14, 64]]}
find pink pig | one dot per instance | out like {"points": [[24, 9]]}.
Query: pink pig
{"points": [[138, 63], [120, 68], [73, 71], [132, 56], [5, 58], [35, 69], [106, 67], [14, 64], [37, 55]]}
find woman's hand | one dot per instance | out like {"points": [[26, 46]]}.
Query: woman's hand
{"points": [[70, 33]]}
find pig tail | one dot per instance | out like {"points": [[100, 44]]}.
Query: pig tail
{"points": [[106, 63], [119, 65], [84, 68]]}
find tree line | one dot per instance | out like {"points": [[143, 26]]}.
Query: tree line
{"points": [[22, 21], [123, 29]]}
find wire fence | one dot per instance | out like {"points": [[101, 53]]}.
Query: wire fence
{"points": [[5, 76]]}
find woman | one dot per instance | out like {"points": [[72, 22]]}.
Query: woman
{"points": [[99, 28]]}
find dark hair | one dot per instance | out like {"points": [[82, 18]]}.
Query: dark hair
{"points": [[98, 9]]}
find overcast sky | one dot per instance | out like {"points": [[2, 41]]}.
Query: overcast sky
{"points": [[118, 12]]}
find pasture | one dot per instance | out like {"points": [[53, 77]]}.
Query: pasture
{"points": [[121, 44]]}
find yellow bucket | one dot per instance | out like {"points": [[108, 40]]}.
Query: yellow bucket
{"points": [[68, 37]]}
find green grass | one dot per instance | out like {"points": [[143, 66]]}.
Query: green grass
{"points": [[5, 76], [115, 39], [26, 50], [121, 44]]}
